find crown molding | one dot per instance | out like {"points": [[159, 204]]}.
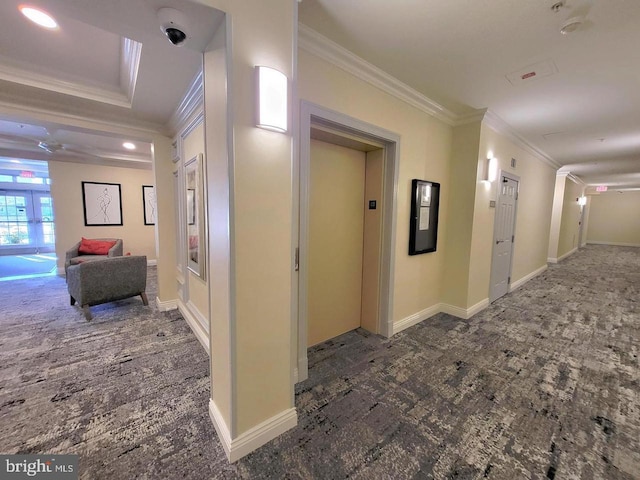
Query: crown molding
{"points": [[15, 74], [571, 177], [192, 104], [492, 120], [321, 46], [51, 113]]}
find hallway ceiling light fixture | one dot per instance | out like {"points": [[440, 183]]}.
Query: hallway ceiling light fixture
{"points": [[39, 17], [492, 169], [271, 99], [129, 146]]}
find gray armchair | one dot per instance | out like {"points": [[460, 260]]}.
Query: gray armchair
{"points": [[73, 257], [107, 280]]}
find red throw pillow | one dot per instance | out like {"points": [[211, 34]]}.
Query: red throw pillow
{"points": [[95, 247]]}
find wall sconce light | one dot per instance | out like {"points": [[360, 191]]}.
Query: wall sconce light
{"points": [[582, 201], [272, 99], [492, 169]]}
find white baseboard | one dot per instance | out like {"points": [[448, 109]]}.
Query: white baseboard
{"points": [[416, 318], [569, 253], [518, 283], [166, 305], [152, 263], [552, 260], [615, 244], [464, 313], [60, 271], [196, 326], [252, 439], [301, 372]]}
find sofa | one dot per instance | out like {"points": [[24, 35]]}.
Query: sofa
{"points": [[107, 280], [94, 249]]}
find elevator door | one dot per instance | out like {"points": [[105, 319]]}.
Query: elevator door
{"points": [[336, 224]]}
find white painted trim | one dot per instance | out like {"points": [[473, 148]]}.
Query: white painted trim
{"points": [[137, 130], [199, 316], [416, 318], [192, 104], [222, 429], [254, 438], [302, 370], [492, 120], [15, 74], [340, 122], [151, 263], [196, 327], [465, 313], [321, 46], [559, 259], [60, 271], [615, 244], [166, 305], [518, 283], [569, 253]]}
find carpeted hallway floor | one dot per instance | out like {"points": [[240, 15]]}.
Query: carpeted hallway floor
{"points": [[542, 384]]}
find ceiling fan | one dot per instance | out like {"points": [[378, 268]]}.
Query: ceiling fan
{"points": [[48, 145]]}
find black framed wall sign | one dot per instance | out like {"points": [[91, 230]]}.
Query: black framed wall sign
{"points": [[423, 224]]}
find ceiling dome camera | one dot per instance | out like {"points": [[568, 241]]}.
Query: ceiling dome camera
{"points": [[173, 24], [175, 36]]}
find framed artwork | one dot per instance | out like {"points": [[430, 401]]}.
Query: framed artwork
{"points": [[423, 224], [195, 216], [102, 204], [149, 204]]}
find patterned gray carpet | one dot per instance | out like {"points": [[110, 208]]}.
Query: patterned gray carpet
{"points": [[543, 384]]}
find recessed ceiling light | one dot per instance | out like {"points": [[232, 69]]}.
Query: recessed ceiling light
{"points": [[129, 146], [39, 17]]}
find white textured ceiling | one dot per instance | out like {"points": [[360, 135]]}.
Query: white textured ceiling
{"points": [[585, 116], [78, 69]]}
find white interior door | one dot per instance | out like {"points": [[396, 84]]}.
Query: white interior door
{"points": [[503, 240]]}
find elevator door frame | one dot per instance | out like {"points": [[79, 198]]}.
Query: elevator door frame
{"points": [[311, 114]]}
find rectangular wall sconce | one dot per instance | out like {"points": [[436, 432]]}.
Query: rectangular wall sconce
{"points": [[492, 169], [272, 99], [582, 201]]}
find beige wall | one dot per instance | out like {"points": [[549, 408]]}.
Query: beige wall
{"points": [[251, 371], [533, 217], [569, 226], [459, 227], [556, 217], [614, 218], [424, 154], [66, 191]]}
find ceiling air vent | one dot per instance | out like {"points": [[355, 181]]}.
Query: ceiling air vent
{"points": [[531, 72]]}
